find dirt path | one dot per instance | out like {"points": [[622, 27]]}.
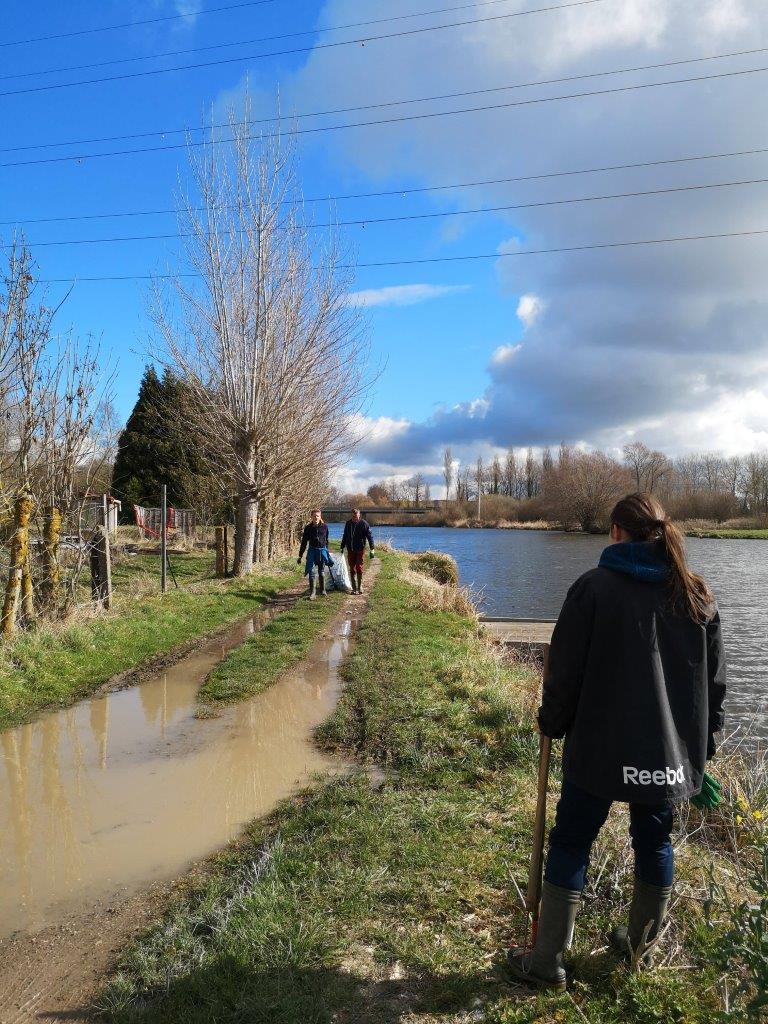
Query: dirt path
{"points": [[55, 973]]}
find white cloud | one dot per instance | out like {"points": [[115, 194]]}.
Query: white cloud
{"points": [[529, 308], [668, 343], [504, 354], [370, 431], [403, 294]]}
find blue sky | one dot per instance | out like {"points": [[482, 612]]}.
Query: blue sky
{"points": [[594, 349], [407, 340]]}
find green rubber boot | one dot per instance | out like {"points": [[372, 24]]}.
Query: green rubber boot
{"points": [[637, 941], [543, 966]]}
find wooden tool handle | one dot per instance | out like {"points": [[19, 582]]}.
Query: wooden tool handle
{"points": [[533, 896]]}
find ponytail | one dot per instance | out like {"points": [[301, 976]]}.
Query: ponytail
{"points": [[642, 517]]}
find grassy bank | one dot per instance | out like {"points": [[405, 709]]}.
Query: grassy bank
{"points": [[58, 664], [718, 534], [388, 901]]}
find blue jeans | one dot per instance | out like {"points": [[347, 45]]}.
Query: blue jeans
{"points": [[579, 818]]}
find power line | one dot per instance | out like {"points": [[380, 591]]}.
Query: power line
{"points": [[136, 24], [455, 259], [396, 120], [163, 132], [416, 190], [251, 42], [362, 40], [430, 215]]}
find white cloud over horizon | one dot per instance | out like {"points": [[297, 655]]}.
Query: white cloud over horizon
{"points": [[667, 343]]}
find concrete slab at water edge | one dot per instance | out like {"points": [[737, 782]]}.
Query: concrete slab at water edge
{"points": [[519, 631]]}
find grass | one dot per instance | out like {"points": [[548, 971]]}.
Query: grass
{"points": [[725, 534], [256, 664], [59, 664], [390, 902]]}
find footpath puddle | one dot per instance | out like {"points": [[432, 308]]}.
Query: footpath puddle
{"points": [[127, 789]]}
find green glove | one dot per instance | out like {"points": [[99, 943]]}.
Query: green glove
{"points": [[711, 793]]}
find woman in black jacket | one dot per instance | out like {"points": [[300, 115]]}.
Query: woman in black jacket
{"points": [[635, 684]]}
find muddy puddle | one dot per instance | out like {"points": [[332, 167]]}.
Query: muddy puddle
{"points": [[123, 790]]}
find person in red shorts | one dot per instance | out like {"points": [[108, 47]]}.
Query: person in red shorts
{"points": [[357, 533]]}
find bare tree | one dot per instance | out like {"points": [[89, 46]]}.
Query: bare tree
{"points": [[268, 344], [532, 475], [511, 474], [479, 479], [448, 471], [648, 467], [582, 489], [495, 475]]}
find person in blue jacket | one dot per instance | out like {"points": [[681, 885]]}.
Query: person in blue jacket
{"points": [[314, 540], [635, 683]]}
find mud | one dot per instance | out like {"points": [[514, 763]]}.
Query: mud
{"points": [[104, 804]]}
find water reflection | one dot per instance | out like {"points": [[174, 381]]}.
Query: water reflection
{"points": [[129, 788]]}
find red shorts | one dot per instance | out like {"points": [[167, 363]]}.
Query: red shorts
{"points": [[355, 559]]}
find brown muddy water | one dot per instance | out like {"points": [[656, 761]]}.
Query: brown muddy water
{"points": [[123, 790]]}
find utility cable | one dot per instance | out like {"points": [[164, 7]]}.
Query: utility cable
{"points": [[135, 24], [454, 259], [430, 215], [163, 132], [395, 120], [416, 190], [360, 40], [252, 42]]}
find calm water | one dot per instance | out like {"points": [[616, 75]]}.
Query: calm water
{"points": [[525, 574]]}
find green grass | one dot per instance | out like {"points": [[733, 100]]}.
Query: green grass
{"points": [[381, 904], [729, 534], [57, 665], [258, 662]]}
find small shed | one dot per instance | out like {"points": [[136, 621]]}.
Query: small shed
{"points": [[93, 511]]}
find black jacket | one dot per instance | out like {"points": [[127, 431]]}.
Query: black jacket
{"points": [[635, 687], [315, 535], [356, 533]]}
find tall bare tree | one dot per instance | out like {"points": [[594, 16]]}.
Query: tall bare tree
{"points": [[448, 471], [268, 343]]}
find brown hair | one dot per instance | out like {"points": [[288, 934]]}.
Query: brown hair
{"points": [[644, 519]]}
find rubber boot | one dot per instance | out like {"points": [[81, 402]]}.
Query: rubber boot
{"points": [[321, 583], [646, 916], [359, 582], [311, 586], [543, 966]]}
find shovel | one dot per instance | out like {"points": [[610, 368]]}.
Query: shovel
{"points": [[533, 895]]}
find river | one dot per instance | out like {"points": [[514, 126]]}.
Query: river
{"points": [[526, 573]]}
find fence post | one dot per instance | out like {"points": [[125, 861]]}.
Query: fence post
{"points": [[226, 549], [221, 551], [101, 567], [163, 540]]}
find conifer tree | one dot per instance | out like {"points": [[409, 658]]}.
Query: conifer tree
{"points": [[157, 447]]}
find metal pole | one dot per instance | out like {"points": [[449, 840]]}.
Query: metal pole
{"points": [[163, 541]]}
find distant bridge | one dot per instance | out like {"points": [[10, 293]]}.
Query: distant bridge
{"points": [[381, 511]]}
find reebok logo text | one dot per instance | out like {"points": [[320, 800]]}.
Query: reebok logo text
{"points": [[638, 777]]}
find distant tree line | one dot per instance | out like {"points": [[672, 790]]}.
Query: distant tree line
{"points": [[576, 489]]}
